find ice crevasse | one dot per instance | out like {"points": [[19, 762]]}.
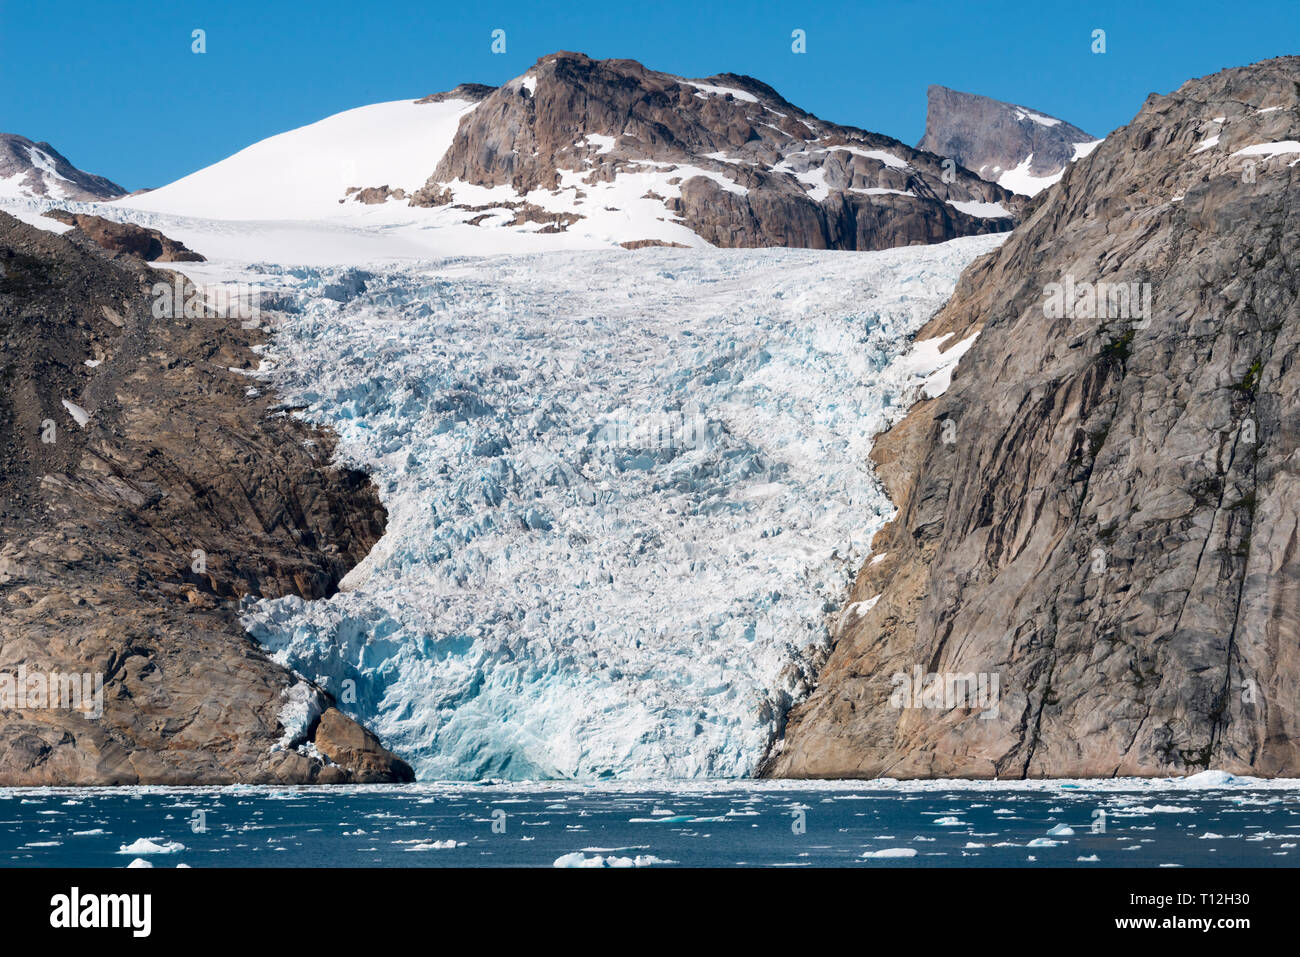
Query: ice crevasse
{"points": [[627, 493]]}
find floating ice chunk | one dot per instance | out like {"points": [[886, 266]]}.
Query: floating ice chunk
{"points": [[1215, 779], [578, 859], [147, 845], [893, 852]]}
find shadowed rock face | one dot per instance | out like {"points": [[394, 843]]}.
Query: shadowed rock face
{"points": [[45, 172], [991, 137], [1102, 511], [794, 180], [100, 525]]}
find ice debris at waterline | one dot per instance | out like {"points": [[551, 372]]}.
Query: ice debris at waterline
{"points": [[626, 492]]}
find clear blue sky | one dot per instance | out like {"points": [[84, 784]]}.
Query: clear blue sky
{"points": [[115, 87]]}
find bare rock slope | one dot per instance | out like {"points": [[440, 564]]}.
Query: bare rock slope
{"points": [[144, 489], [741, 166], [1103, 510]]}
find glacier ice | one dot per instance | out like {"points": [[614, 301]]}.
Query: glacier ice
{"points": [[627, 493]]}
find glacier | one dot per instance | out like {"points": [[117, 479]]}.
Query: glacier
{"points": [[627, 492]]}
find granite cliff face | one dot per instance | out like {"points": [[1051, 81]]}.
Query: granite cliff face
{"points": [[146, 486], [1021, 149], [38, 169], [1103, 510], [735, 162]]}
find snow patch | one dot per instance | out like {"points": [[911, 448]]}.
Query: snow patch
{"points": [[1269, 150], [981, 210], [79, 415], [1037, 118]]}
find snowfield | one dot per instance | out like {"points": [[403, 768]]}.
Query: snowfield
{"points": [[627, 492], [302, 174]]}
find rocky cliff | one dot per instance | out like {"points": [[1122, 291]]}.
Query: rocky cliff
{"points": [[127, 239], [1100, 517], [1023, 150], [727, 156], [146, 486], [38, 169]]}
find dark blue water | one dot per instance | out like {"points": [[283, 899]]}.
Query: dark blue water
{"points": [[729, 824]]}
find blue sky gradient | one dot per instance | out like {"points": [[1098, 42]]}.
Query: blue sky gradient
{"points": [[115, 87]]}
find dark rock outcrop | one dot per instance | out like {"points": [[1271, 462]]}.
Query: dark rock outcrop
{"points": [[128, 239], [373, 195], [1103, 510], [46, 172], [146, 486], [748, 168], [473, 92], [992, 138]]}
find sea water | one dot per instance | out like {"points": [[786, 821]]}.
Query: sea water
{"points": [[1215, 820]]}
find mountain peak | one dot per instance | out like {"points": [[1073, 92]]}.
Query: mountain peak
{"points": [[30, 169], [725, 158], [1021, 149]]}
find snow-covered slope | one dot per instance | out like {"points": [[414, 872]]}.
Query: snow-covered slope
{"points": [[626, 493], [304, 174]]}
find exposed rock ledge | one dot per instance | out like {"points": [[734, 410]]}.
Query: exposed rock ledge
{"points": [[128, 239], [1113, 528], [99, 529]]}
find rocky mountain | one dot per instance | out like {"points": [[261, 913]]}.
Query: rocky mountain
{"points": [[146, 486], [583, 153], [1098, 520], [39, 170], [574, 139], [1021, 149], [727, 157]]}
